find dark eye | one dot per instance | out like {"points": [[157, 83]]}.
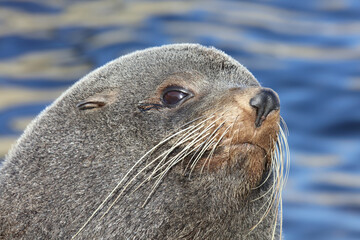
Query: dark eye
{"points": [[172, 97]]}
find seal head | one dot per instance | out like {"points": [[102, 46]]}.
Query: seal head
{"points": [[172, 142]]}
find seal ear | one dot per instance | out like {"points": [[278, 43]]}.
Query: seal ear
{"points": [[98, 100], [86, 105]]}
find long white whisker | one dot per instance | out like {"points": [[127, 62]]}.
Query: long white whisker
{"points": [[122, 180], [212, 124], [178, 143], [172, 163], [198, 126], [164, 155], [217, 143], [214, 147], [207, 144], [278, 165]]}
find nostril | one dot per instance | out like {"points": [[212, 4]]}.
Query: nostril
{"points": [[264, 102]]}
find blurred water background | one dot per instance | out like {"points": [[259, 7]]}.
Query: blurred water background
{"points": [[308, 51]]}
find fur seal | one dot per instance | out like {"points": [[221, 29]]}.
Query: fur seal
{"points": [[172, 142]]}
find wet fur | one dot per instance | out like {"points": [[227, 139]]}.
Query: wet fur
{"points": [[68, 160]]}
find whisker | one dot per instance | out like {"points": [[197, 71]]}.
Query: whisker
{"points": [[280, 161], [162, 164], [234, 133], [216, 144], [187, 135], [212, 124], [180, 141], [134, 177], [213, 136], [185, 152], [269, 203], [125, 176], [269, 172]]}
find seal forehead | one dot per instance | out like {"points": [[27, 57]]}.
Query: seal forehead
{"points": [[207, 60], [148, 67]]}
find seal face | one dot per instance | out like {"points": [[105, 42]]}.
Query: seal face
{"points": [[178, 141]]}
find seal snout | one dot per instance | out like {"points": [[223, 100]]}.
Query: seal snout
{"points": [[265, 101]]}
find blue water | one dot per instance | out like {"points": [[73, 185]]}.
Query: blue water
{"points": [[308, 51]]}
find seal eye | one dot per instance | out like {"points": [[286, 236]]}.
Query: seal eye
{"points": [[173, 96]]}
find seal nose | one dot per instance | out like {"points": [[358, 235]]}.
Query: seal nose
{"points": [[264, 102]]}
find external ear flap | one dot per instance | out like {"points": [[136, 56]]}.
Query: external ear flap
{"points": [[98, 100], [85, 105]]}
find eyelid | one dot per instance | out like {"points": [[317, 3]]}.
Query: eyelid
{"points": [[188, 94], [176, 88]]}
